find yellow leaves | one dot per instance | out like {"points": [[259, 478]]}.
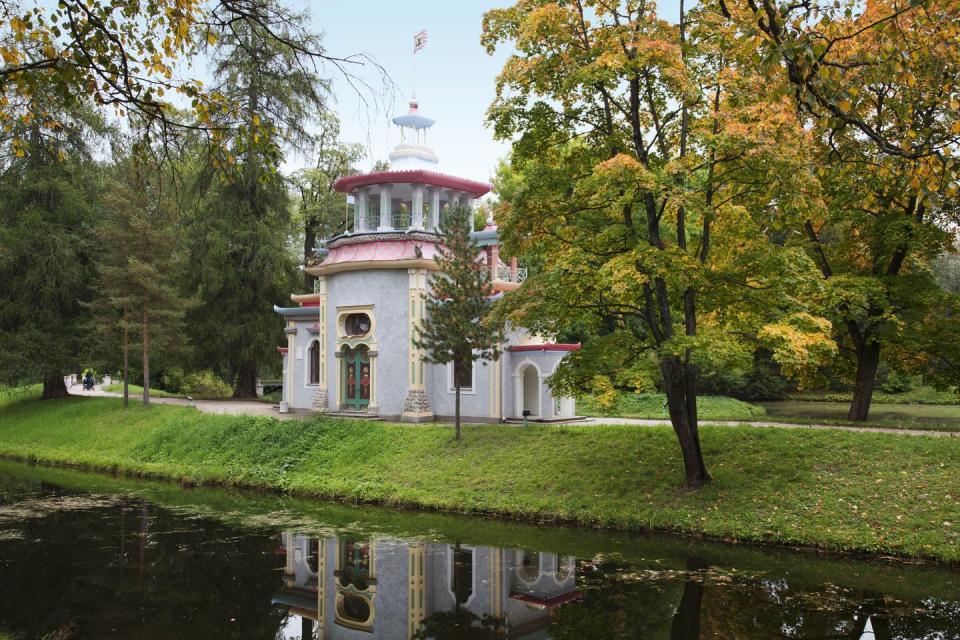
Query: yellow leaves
{"points": [[624, 168], [211, 38], [800, 343], [18, 26], [10, 55]]}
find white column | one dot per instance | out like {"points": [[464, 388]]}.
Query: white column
{"points": [[386, 209], [360, 209], [416, 221], [435, 209]]}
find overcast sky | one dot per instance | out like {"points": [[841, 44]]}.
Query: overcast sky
{"points": [[454, 75]]}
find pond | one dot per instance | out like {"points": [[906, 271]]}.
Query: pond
{"points": [[92, 556]]}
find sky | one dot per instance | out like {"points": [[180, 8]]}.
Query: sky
{"points": [[455, 77]]}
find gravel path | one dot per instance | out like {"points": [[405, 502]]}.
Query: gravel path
{"points": [[248, 407]]}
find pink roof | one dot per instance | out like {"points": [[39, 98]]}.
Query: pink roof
{"points": [[382, 250], [417, 176]]}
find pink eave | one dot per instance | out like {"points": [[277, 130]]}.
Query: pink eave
{"points": [[383, 250], [415, 176]]}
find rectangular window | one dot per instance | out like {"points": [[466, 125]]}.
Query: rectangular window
{"points": [[466, 382]]}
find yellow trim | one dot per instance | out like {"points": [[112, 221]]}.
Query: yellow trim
{"points": [[300, 298], [416, 590]]}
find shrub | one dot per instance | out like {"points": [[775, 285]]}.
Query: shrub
{"points": [[897, 382], [172, 380], [205, 383]]}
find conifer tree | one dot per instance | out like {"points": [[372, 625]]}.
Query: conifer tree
{"points": [[459, 327], [46, 190], [137, 264], [237, 238]]}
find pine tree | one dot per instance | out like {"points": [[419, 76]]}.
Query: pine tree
{"points": [[459, 327], [237, 238], [137, 264], [46, 270]]}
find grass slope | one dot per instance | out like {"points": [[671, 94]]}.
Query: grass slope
{"points": [[652, 406], [898, 416], [869, 492]]}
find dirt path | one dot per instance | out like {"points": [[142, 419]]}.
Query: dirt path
{"points": [[248, 407]]}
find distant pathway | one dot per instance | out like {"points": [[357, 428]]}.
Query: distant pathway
{"points": [[248, 407], [223, 407]]}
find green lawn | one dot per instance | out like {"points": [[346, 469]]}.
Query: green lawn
{"points": [[919, 395], [871, 492], [652, 406], [900, 416]]}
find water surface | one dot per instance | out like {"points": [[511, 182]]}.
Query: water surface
{"points": [[89, 556]]}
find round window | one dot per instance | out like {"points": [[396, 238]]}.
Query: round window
{"points": [[357, 324]]}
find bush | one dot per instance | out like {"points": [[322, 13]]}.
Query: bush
{"points": [[898, 382], [172, 380], [205, 383]]}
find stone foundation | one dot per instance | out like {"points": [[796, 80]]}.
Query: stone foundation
{"points": [[416, 407], [320, 399]]}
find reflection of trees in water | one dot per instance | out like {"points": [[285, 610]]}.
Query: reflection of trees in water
{"points": [[460, 624], [616, 608], [744, 607], [712, 603], [86, 575]]}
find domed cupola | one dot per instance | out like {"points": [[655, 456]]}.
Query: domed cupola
{"points": [[413, 152]]}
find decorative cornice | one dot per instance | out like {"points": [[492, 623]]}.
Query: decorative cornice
{"points": [[369, 265], [386, 236], [298, 313]]}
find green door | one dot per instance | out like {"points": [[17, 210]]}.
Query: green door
{"points": [[356, 377]]}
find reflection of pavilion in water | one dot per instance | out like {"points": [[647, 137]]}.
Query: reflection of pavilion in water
{"points": [[350, 588]]}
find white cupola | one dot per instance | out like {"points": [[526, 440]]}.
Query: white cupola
{"points": [[412, 152]]}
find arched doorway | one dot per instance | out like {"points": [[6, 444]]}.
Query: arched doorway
{"points": [[356, 377], [527, 390]]}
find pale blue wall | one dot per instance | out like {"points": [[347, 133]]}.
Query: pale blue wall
{"points": [[389, 293]]}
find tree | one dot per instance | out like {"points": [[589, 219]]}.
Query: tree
{"points": [[47, 187], [459, 326], [237, 237], [137, 264], [879, 86], [124, 56], [628, 133], [321, 208]]}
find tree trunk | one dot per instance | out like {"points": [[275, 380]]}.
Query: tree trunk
{"points": [[456, 413], [146, 353], [246, 381], [868, 360], [684, 421], [126, 359], [309, 244], [53, 386]]}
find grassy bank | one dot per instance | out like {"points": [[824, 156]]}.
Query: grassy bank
{"points": [[837, 490], [919, 395], [898, 416], [652, 406]]}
